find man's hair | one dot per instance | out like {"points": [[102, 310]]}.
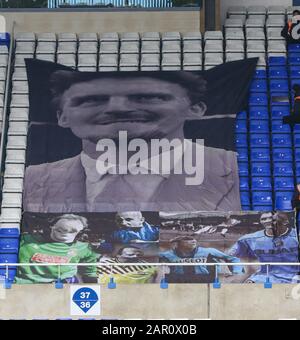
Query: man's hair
{"points": [[296, 12], [194, 83], [82, 219], [296, 87], [182, 238], [127, 247]]}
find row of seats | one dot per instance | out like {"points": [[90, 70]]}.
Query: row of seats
{"points": [[261, 10]]}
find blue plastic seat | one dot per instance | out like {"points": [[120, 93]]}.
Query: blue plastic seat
{"points": [[283, 169], [294, 82], [5, 39], [279, 86], [282, 155], [259, 141], [297, 140], [241, 140], [284, 183], [294, 60], [242, 115], [283, 200], [259, 126], [245, 201], [261, 183], [9, 232], [281, 141], [9, 245], [277, 61], [244, 184], [260, 155], [298, 169], [12, 270], [297, 154], [278, 73], [258, 99], [262, 198], [260, 169], [259, 86], [242, 154], [243, 169], [241, 126], [260, 112], [294, 48], [279, 127], [297, 129], [260, 74], [295, 72], [278, 112]]}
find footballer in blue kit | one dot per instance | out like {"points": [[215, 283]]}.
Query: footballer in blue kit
{"points": [[277, 242], [186, 250]]}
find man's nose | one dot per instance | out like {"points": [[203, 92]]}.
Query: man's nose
{"points": [[117, 104]]}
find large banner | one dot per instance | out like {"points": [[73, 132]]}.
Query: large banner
{"points": [[133, 141], [142, 240]]}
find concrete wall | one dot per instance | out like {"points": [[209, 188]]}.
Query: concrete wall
{"points": [[245, 302], [103, 21]]}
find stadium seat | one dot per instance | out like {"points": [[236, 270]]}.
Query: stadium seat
{"points": [[278, 73], [259, 126], [284, 183], [277, 61], [260, 155], [259, 113], [297, 140], [244, 183], [279, 86], [259, 86], [294, 48], [279, 127], [262, 199], [283, 201], [242, 154], [245, 200], [282, 141], [278, 112], [259, 141], [295, 72], [282, 155], [9, 245], [260, 74], [283, 169], [258, 99], [243, 169], [241, 126], [260, 169], [261, 183]]}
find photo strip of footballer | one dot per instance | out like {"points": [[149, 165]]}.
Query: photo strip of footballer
{"points": [[231, 238], [127, 237]]}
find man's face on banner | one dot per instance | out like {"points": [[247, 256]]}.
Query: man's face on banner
{"points": [[144, 107], [187, 245], [66, 230], [131, 219], [281, 224], [129, 254], [266, 220]]}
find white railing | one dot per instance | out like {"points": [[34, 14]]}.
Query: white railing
{"points": [[113, 3], [155, 264]]}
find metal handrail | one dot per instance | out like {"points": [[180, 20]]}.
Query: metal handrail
{"points": [[6, 98], [155, 264]]}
